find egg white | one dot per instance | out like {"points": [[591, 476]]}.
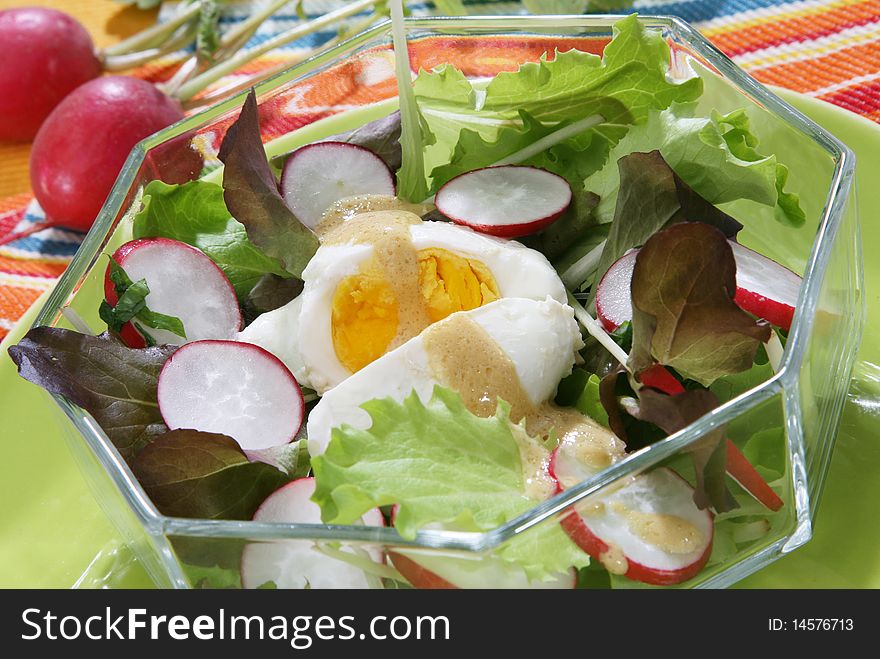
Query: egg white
{"points": [[519, 272], [540, 337], [278, 331]]}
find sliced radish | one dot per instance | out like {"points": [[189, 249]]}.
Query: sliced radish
{"points": [[613, 301], [763, 288], [183, 283], [617, 529], [319, 174], [439, 570], [234, 388], [299, 563], [650, 530], [741, 470], [507, 201]]}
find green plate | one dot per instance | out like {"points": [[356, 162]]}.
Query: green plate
{"points": [[54, 534]]}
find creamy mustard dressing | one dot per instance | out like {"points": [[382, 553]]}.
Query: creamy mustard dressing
{"points": [[670, 533], [345, 209], [613, 560], [466, 359]]}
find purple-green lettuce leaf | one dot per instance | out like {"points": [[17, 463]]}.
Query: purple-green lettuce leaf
{"points": [[270, 292], [188, 473], [112, 382], [651, 197], [252, 196], [684, 315]]}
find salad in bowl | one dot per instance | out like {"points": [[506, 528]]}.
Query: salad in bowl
{"points": [[501, 287]]}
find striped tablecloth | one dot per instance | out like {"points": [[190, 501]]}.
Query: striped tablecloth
{"points": [[829, 49]]}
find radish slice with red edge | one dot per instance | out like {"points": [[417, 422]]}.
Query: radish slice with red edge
{"points": [[649, 529], [184, 283], [764, 289], [613, 302], [234, 388], [299, 563], [507, 201], [317, 175]]}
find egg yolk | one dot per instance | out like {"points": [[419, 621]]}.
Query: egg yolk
{"points": [[366, 314]]}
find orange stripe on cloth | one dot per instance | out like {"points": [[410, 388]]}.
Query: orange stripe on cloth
{"points": [[804, 25], [812, 74], [15, 202], [32, 267], [14, 302]]}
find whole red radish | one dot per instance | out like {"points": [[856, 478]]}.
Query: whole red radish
{"points": [[44, 55], [83, 144]]}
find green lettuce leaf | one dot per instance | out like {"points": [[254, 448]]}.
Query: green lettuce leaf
{"points": [[715, 156], [112, 382], [581, 391], [443, 465], [623, 87], [195, 213], [684, 315], [188, 473], [251, 194]]}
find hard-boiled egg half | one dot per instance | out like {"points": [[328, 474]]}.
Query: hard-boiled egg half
{"points": [[381, 278], [468, 352]]}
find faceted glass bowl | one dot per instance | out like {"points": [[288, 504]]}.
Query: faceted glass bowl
{"points": [[353, 83]]}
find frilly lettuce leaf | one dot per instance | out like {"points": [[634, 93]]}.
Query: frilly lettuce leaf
{"points": [[716, 156], [623, 86], [444, 466]]}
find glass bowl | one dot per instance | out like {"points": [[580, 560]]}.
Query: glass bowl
{"points": [[352, 84]]}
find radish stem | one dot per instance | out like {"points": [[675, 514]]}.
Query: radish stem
{"points": [[579, 271], [136, 59], [235, 87], [153, 34], [595, 330], [77, 321], [211, 75], [774, 350], [552, 139], [230, 43]]}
